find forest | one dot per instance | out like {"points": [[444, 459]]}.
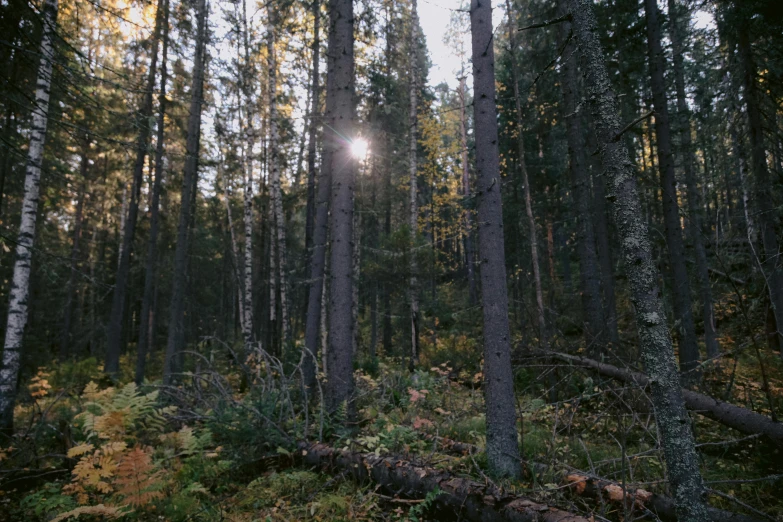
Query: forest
{"points": [[391, 260]]}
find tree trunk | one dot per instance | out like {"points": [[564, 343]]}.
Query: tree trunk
{"points": [[470, 254], [317, 264], [274, 177], [460, 498], [176, 337], [736, 417], [413, 216], [147, 301], [70, 289], [315, 101], [683, 306], [656, 345], [117, 317], [341, 116], [531, 220], [589, 275], [765, 217], [677, 34], [247, 265], [20, 286], [502, 448]]}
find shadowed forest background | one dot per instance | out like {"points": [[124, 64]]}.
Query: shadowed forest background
{"points": [[256, 265]]}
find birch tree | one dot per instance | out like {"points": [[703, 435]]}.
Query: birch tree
{"points": [[20, 286]]}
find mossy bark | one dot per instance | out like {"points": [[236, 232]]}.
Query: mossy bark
{"points": [[655, 341]]}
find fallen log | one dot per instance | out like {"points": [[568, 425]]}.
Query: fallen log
{"points": [[460, 498], [737, 417], [596, 488]]}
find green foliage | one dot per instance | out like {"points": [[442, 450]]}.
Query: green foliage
{"points": [[46, 502], [418, 510]]}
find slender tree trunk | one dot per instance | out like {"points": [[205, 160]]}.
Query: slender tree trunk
{"points": [[145, 328], [677, 34], [531, 220], [341, 115], [234, 248], [117, 316], [413, 167], [70, 289], [317, 264], [274, 176], [655, 342], [247, 266], [315, 100], [771, 264], [176, 337], [683, 306], [468, 220], [589, 274], [20, 286], [502, 447]]}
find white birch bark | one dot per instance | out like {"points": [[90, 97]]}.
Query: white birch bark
{"points": [[247, 296], [20, 287]]}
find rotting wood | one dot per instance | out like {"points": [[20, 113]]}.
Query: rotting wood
{"points": [[737, 417], [460, 497], [593, 487]]}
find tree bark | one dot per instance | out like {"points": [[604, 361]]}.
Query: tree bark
{"points": [[531, 220], [274, 177], [114, 333], [683, 306], [656, 345], [589, 274], [765, 217], [593, 487], [736, 417], [413, 209], [176, 337], [341, 116], [70, 288], [247, 207], [470, 253], [502, 447], [315, 101], [460, 498], [20, 286], [147, 301], [678, 20]]}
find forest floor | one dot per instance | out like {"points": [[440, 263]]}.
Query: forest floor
{"points": [[222, 445]]}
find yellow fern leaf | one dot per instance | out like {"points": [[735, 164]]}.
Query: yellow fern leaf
{"points": [[81, 449], [90, 391], [113, 448], [103, 487], [111, 425], [99, 510]]}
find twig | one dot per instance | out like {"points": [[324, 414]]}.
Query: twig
{"points": [[564, 18], [630, 125]]}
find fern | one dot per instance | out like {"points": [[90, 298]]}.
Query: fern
{"points": [[136, 479], [99, 510]]}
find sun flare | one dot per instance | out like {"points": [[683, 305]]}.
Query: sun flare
{"points": [[360, 148]]}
